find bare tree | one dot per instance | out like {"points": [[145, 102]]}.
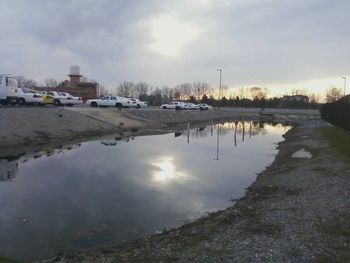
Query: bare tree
{"points": [[314, 98], [51, 82], [177, 93], [185, 89], [126, 89], [224, 91], [333, 94], [242, 93], [103, 91], [156, 96], [141, 89], [258, 93], [167, 93], [25, 83], [200, 88]]}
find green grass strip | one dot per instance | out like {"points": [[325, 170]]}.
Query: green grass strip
{"points": [[339, 140]]}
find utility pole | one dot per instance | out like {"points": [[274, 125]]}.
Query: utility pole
{"points": [[344, 78], [220, 70]]}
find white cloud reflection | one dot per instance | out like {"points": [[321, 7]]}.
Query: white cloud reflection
{"points": [[166, 171]]}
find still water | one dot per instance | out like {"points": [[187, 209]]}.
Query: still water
{"points": [[99, 193]]}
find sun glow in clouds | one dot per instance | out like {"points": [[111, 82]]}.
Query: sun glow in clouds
{"points": [[166, 170], [170, 35]]}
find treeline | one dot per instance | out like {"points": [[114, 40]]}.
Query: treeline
{"points": [[157, 96], [201, 92], [337, 113]]}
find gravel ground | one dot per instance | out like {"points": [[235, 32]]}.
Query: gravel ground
{"points": [[282, 218]]}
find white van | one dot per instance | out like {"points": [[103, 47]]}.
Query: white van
{"points": [[8, 90]]}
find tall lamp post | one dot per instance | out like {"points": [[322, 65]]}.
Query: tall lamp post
{"points": [[344, 78], [220, 70]]}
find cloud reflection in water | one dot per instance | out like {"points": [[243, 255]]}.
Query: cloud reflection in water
{"points": [[165, 170]]}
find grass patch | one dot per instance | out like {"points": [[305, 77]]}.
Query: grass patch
{"points": [[337, 234], [339, 140], [7, 260]]}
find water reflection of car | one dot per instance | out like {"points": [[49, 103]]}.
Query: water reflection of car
{"points": [[114, 142], [8, 169], [109, 143], [204, 106], [177, 105]]}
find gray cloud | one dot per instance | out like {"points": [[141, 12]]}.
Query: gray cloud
{"points": [[255, 42]]}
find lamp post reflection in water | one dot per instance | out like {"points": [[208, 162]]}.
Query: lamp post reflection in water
{"points": [[235, 137], [217, 143], [188, 132], [250, 130], [243, 131]]}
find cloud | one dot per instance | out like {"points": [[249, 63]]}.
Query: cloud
{"points": [[169, 42]]}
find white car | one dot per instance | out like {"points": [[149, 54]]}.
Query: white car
{"points": [[177, 105], [60, 98], [139, 103], [204, 106], [192, 106], [111, 101], [28, 96], [69, 100]]}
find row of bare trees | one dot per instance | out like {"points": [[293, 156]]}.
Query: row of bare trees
{"points": [[180, 92], [50, 82], [190, 91]]}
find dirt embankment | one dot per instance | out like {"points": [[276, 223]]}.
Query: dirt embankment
{"points": [[296, 211]]}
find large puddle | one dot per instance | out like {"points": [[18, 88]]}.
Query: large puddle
{"points": [[99, 193]]}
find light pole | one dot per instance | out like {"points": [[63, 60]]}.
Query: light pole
{"points": [[220, 70], [344, 78]]}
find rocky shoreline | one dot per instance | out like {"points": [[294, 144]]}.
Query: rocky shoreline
{"points": [[285, 216]]}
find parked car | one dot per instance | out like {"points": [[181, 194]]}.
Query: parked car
{"points": [[47, 99], [8, 86], [56, 97], [177, 105], [204, 106], [63, 98], [69, 100], [28, 96], [111, 101], [192, 106], [138, 102]]}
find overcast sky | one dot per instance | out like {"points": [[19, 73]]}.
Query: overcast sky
{"points": [[277, 44]]}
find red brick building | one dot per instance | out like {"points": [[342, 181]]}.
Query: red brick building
{"points": [[74, 86]]}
